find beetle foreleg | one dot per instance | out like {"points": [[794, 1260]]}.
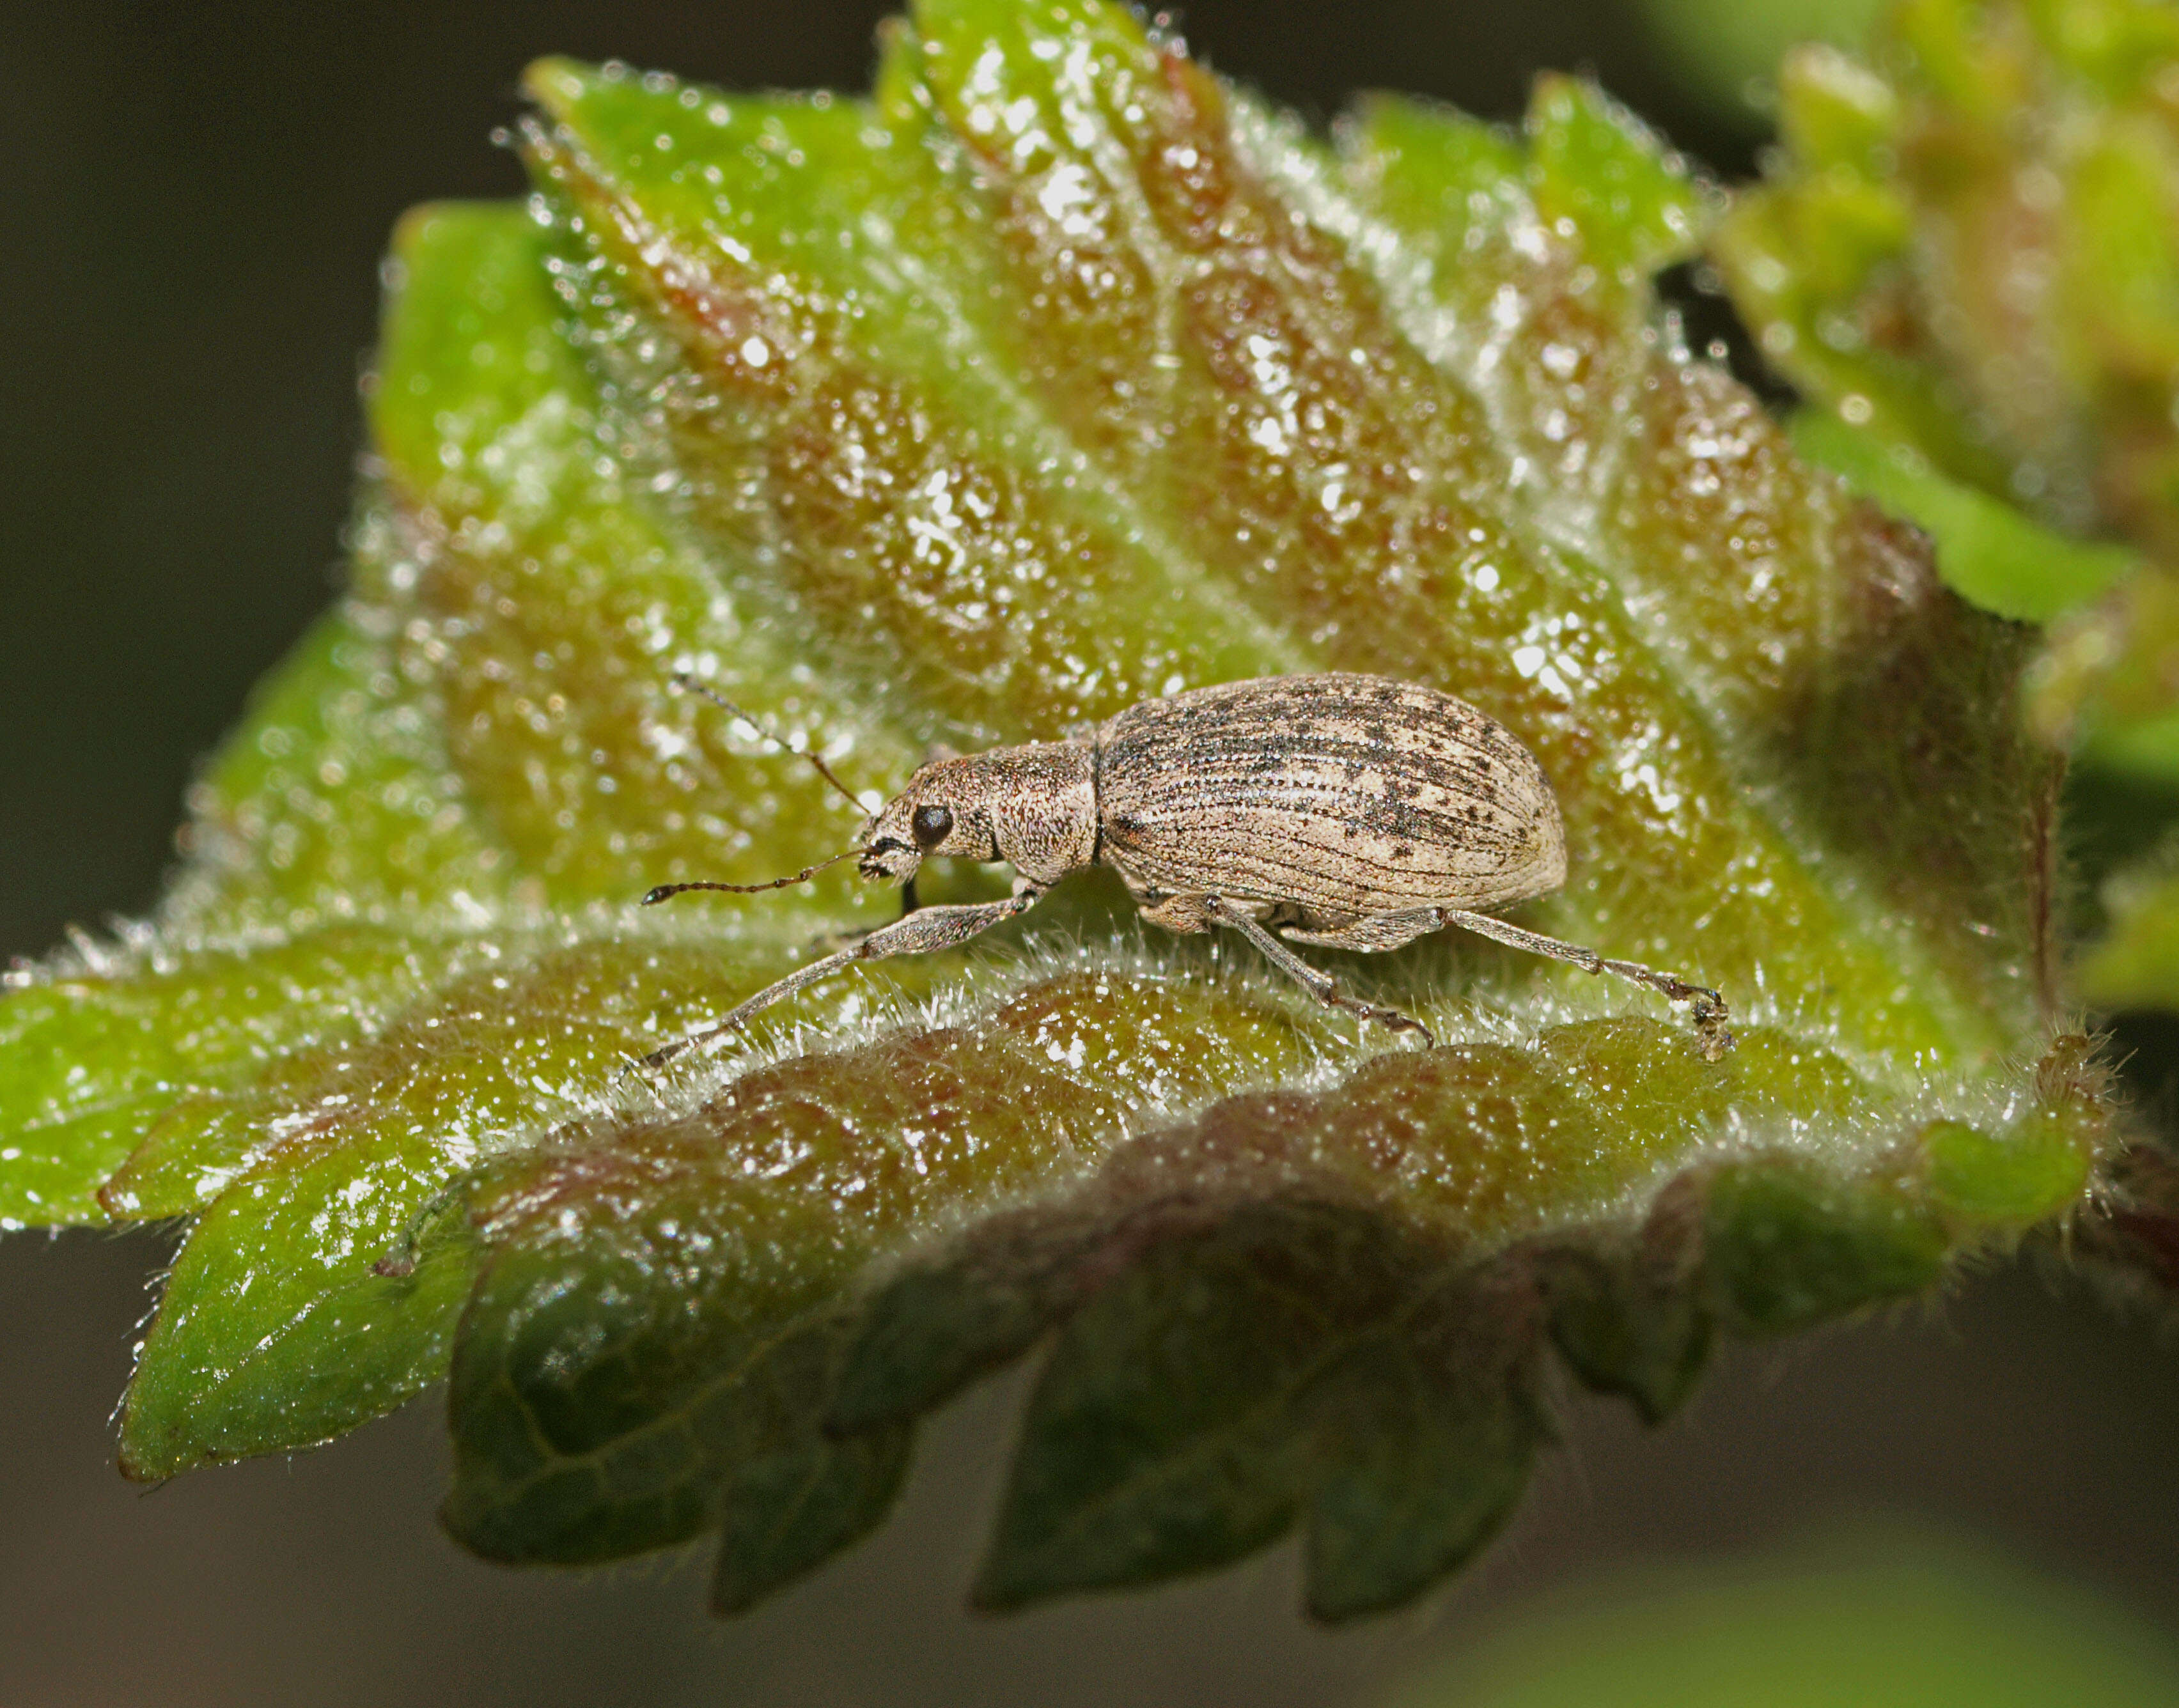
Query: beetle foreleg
{"points": [[908, 905], [1712, 1019], [1318, 982], [920, 933]]}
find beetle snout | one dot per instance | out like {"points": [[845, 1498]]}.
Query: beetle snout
{"points": [[887, 860], [889, 854]]}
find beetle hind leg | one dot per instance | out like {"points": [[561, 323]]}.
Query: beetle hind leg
{"points": [[1182, 915], [1369, 935], [1712, 1018], [1318, 982]]}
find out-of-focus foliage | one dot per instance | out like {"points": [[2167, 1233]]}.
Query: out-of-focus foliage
{"points": [[1868, 1619], [1055, 375], [1971, 245], [1727, 52], [1967, 255], [1987, 552]]}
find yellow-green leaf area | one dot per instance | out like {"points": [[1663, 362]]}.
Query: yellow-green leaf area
{"points": [[164, 1026], [1789, 1248], [2034, 1170]]}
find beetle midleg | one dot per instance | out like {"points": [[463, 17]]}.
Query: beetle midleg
{"points": [[1318, 982], [1713, 1021], [920, 933]]}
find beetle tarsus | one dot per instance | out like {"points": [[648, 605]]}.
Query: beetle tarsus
{"points": [[1706, 1008], [1397, 1021], [1712, 1024]]}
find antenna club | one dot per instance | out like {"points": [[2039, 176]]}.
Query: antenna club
{"points": [[804, 876]]}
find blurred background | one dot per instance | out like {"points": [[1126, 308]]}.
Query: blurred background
{"points": [[1973, 1502]]}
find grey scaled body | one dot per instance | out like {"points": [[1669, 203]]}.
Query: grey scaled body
{"points": [[1347, 812]]}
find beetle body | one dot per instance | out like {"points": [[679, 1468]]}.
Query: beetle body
{"points": [[1332, 798], [1350, 812], [1336, 797]]}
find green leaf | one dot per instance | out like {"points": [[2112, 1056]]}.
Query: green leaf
{"points": [[165, 1024], [1987, 552], [1593, 163], [2025, 1176], [1785, 1248], [1053, 378], [275, 1330], [1295, 1359], [1625, 1315]]}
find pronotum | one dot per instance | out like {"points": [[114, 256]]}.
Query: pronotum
{"points": [[1343, 811]]}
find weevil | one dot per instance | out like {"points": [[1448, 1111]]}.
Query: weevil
{"points": [[1341, 811]]}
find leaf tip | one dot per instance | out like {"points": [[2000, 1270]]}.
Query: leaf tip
{"points": [[555, 83]]}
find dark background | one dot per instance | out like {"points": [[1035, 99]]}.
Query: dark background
{"points": [[196, 197]]}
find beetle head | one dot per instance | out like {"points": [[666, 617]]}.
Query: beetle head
{"points": [[1034, 806], [945, 809]]}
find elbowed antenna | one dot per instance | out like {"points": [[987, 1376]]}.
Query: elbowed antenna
{"points": [[666, 890], [683, 680]]}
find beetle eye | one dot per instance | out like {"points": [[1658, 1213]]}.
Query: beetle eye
{"points": [[931, 825]]}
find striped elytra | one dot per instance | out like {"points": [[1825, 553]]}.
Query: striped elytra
{"points": [[1336, 794]]}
